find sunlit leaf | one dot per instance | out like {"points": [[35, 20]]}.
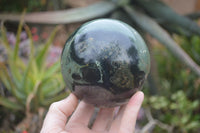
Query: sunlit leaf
{"points": [[28, 68], [32, 49], [192, 125]]}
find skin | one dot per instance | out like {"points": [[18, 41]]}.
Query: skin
{"points": [[108, 120]]}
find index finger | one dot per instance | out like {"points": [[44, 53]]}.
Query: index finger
{"points": [[131, 112], [127, 115], [58, 114]]}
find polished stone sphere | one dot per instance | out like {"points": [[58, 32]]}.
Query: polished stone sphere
{"points": [[104, 62]]}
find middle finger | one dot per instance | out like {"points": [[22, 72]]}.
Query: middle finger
{"points": [[82, 114], [103, 120]]}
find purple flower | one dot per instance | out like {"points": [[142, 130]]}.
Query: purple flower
{"points": [[23, 35], [11, 38]]}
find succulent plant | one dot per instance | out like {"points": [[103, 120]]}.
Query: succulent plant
{"points": [[104, 62]]}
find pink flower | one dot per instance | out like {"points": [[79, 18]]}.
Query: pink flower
{"points": [[34, 30], [35, 38], [24, 131]]}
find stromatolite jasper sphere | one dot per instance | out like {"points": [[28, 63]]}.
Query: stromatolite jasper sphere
{"points": [[104, 62]]}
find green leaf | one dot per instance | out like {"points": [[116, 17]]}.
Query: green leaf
{"points": [[193, 125], [185, 119], [52, 70], [41, 56], [195, 104], [28, 68], [51, 86], [32, 49], [16, 48], [10, 104], [53, 91], [4, 77], [159, 102], [25, 77], [16, 76], [36, 74], [9, 83]]}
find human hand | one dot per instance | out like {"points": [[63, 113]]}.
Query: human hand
{"points": [[106, 122]]}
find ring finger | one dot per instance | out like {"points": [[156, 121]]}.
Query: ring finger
{"points": [[104, 119]]}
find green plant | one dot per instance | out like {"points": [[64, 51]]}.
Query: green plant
{"points": [[32, 84], [190, 45], [173, 75], [176, 101], [177, 111]]}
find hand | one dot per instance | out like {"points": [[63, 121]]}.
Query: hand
{"points": [[107, 121]]}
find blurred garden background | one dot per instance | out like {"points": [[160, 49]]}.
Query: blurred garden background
{"points": [[33, 33]]}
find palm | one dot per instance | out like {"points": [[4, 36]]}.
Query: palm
{"points": [[108, 120]]}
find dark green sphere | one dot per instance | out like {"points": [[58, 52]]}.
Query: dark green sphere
{"points": [[105, 62]]}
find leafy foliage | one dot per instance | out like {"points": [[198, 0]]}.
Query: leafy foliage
{"points": [[173, 74], [33, 84], [177, 111], [176, 102], [191, 45]]}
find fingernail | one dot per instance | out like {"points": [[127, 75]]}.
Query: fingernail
{"points": [[138, 98]]}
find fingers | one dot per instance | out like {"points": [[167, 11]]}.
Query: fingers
{"points": [[131, 112], [126, 119], [117, 121], [58, 113], [82, 114], [103, 120]]}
